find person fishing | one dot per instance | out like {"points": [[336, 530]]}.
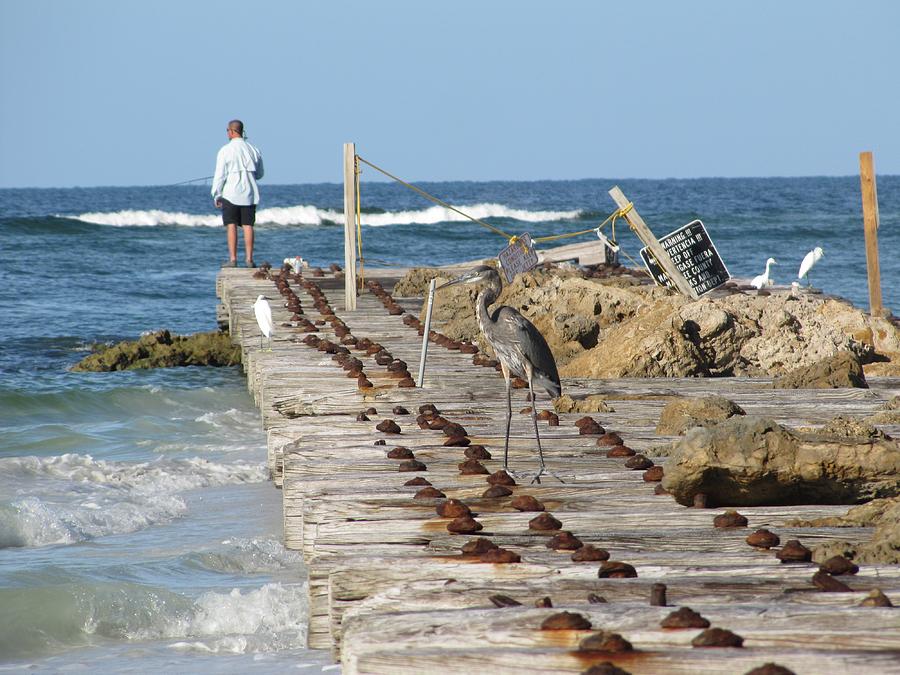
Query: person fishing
{"points": [[234, 190]]}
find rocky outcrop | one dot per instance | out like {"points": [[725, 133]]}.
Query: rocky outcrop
{"points": [[751, 461], [682, 414], [600, 328], [582, 404], [415, 282], [841, 370], [882, 548], [164, 350]]}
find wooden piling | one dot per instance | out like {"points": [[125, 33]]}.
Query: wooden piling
{"points": [[350, 196], [870, 226]]}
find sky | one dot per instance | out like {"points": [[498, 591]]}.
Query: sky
{"points": [[119, 92]]}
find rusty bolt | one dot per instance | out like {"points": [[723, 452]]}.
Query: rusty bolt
{"points": [[478, 546], [730, 518], [544, 415], [526, 410], [638, 462], [388, 427], [825, 582], [544, 522], [418, 480], [658, 595], [453, 508], [590, 553], [653, 475], [566, 621], [504, 601], [592, 429], [838, 565], [613, 569], [464, 525], [763, 539], [371, 411], [605, 642], [499, 556], [526, 503], [411, 465], [595, 599], [453, 429], [553, 420], [584, 421], [717, 637], [429, 493], [770, 669], [406, 382], [620, 451], [605, 668], [501, 478], [793, 551], [400, 410], [564, 541], [544, 602], [684, 617], [457, 442], [362, 417], [400, 453], [610, 438], [380, 441], [477, 452], [472, 467], [496, 491], [660, 490]]}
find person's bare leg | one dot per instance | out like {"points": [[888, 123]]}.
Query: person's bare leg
{"points": [[232, 241], [248, 242]]}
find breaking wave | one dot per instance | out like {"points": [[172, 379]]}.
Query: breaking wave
{"points": [[269, 618], [81, 498], [312, 215]]}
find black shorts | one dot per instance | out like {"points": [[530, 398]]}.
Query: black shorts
{"points": [[239, 215]]}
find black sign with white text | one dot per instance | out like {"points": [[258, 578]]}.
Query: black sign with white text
{"points": [[694, 255]]}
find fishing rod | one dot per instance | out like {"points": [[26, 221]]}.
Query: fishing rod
{"points": [[192, 180]]}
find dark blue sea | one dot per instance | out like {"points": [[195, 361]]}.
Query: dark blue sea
{"points": [[137, 529]]}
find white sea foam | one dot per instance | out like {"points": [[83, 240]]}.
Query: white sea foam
{"points": [[71, 498], [271, 617], [311, 215], [266, 619]]}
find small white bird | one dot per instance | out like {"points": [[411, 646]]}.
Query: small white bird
{"points": [[263, 313], [764, 279], [809, 260]]}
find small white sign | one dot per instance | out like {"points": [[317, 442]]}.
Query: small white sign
{"points": [[519, 256]]}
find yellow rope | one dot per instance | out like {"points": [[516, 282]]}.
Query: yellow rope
{"points": [[496, 230], [362, 276], [619, 213]]}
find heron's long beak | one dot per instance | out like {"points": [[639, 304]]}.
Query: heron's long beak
{"points": [[461, 279]]}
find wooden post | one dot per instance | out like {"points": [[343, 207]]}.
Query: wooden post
{"points": [[349, 226], [646, 235], [870, 225]]}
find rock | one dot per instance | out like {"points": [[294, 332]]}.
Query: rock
{"points": [[163, 350], [835, 372], [415, 282], [752, 461], [876, 598], [602, 328], [882, 548], [586, 404], [682, 414]]}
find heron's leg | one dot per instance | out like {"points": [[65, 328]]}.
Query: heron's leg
{"points": [[508, 416], [537, 436]]}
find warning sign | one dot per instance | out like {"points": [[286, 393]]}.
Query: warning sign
{"points": [[694, 255], [519, 256]]}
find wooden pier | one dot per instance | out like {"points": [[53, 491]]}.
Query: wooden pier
{"points": [[390, 590]]}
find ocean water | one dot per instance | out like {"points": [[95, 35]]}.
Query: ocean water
{"points": [[137, 528]]}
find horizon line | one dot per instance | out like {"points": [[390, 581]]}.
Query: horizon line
{"points": [[465, 180]]}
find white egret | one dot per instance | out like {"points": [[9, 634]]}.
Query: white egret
{"points": [[263, 313], [765, 279], [809, 260]]}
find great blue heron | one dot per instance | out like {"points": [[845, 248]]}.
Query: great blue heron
{"points": [[520, 348], [764, 279], [809, 260], [263, 313]]}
